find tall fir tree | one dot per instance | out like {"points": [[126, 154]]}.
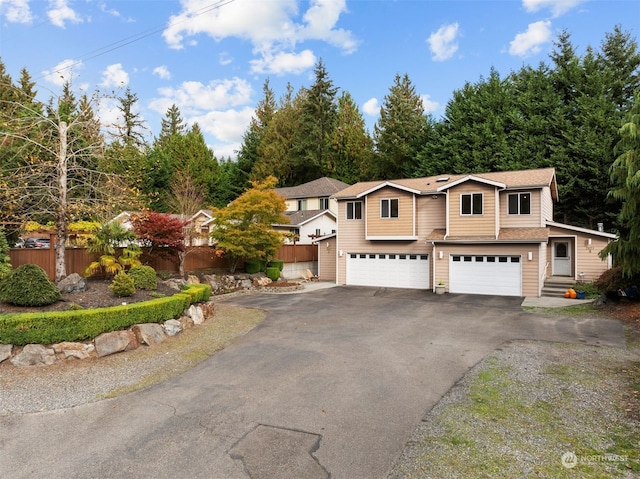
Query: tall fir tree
{"points": [[400, 132], [318, 115], [351, 144]]}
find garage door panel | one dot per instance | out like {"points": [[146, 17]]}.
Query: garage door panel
{"points": [[475, 274], [393, 270]]}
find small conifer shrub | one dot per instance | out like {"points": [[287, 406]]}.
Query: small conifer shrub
{"points": [[28, 285], [144, 277], [122, 285]]}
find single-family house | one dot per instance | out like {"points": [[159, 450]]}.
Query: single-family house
{"points": [[485, 233], [199, 228], [311, 209]]}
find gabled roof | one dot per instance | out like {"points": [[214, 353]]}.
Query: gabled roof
{"points": [[321, 187], [582, 230], [431, 185], [207, 213], [479, 179], [299, 218]]}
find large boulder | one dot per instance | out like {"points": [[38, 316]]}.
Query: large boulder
{"points": [[5, 351], [34, 354], [149, 333], [74, 283], [115, 342]]}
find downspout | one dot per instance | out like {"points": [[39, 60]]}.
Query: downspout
{"points": [[433, 255]]}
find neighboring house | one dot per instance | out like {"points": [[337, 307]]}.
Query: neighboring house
{"points": [[308, 225], [199, 228], [311, 209], [489, 233]]}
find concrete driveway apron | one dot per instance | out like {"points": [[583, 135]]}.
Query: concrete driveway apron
{"points": [[331, 384]]}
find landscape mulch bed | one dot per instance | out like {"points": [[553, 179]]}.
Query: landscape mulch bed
{"points": [[97, 295]]}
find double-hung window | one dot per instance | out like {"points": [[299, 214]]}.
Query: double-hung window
{"points": [[519, 203], [471, 204], [302, 205], [324, 203], [389, 208], [354, 210]]}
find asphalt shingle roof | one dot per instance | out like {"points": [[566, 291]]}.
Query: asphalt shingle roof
{"points": [[321, 187]]}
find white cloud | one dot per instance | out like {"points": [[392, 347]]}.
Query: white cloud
{"points": [[557, 7], [114, 76], [443, 42], [226, 126], [274, 28], [283, 63], [109, 11], [530, 42], [429, 105], [16, 11], [60, 12], [225, 58], [163, 72], [63, 72], [192, 97], [371, 107]]}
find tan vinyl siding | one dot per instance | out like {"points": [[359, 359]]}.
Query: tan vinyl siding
{"points": [[532, 220], [327, 260], [586, 257], [530, 269], [546, 205], [402, 226], [351, 239], [472, 225]]}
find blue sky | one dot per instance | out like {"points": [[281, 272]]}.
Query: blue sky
{"points": [[211, 57]]}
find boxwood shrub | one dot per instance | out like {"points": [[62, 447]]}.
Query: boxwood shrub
{"points": [[273, 273], [144, 277], [53, 327], [252, 266], [277, 263]]}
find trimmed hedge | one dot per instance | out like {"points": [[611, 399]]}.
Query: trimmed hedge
{"points": [[53, 327], [277, 263], [252, 266], [273, 273]]}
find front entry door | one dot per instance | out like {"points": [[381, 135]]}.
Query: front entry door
{"points": [[562, 258]]}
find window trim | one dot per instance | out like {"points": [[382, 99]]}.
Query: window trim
{"points": [[302, 204], [519, 205], [472, 196], [352, 205], [390, 211], [325, 200]]}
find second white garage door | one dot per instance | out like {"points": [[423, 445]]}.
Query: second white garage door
{"points": [[472, 274], [389, 270]]}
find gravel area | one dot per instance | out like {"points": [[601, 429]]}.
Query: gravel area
{"points": [[74, 382], [517, 412]]}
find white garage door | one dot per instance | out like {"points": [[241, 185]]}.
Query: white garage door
{"points": [[499, 275], [388, 269]]}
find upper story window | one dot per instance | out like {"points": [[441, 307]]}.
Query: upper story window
{"points": [[302, 205], [354, 210], [471, 204], [519, 203], [389, 208], [324, 203]]}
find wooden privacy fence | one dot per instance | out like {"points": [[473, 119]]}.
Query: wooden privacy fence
{"points": [[198, 258]]}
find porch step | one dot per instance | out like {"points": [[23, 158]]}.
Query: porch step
{"points": [[556, 286]]}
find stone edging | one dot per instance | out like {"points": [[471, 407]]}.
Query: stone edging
{"points": [[107, 343]]}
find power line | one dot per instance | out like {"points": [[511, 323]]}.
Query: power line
{"points": [[137, 37]]}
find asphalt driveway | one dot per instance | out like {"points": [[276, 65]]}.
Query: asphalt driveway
{"points": [[331, 384]]}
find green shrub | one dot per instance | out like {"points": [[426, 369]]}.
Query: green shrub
{"points": [[28, 285], [74, 307], [612, 280], [273, 273], [122, 285], [277, 263], [144, 277], [590, 290], [252, 266], [5, 259], [197, 292], [57, 326]]}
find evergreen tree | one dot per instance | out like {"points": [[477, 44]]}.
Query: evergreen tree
{"points": [[401, 131], [352, 146], [317, 123], [276, 155], [238, 175], [625, 177]]}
